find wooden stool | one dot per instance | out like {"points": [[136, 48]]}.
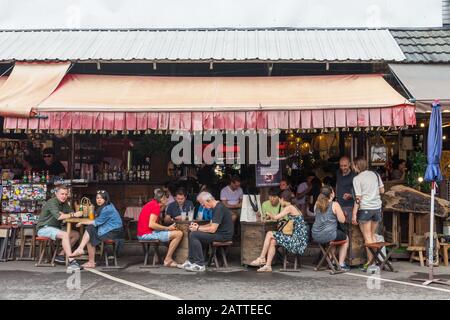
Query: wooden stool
{"points": [[31, 239], [378, 256], [113, 245], [297, 262], [8, 242], [48, 248], [444, 254], [417, 254], [222, 245], [146, 244], [327, 252]]}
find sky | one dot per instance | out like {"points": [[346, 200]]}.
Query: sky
{"points": [[91, 14]]}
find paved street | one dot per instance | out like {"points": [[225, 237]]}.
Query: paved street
{"points": [[21, 280]]}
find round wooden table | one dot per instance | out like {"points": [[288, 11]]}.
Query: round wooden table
{"points": [[182, 252]]}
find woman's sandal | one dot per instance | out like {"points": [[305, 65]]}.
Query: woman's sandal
{"points": [[88, 265], [171, 264], [258, 262], [265, 268]]}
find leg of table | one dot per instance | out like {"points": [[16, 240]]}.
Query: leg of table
{"points": [[422, 264]]}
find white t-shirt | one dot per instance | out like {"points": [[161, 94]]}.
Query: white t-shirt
{"points": [[232, 197], [302, 187], [367, 185]]}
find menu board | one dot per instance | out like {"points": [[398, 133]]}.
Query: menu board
{"points": [[268, 175]]}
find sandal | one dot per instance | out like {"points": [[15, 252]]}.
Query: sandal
{"points": [[171, 264], [265, 268], [88, 265], [258, 262]]}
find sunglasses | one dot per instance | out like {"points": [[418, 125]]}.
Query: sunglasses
{"points": [[48, 155], [101, 191]]}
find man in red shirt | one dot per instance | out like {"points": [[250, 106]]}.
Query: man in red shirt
{"points": [[150, 229]]}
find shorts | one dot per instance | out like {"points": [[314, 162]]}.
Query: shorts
{"points": [[49, 232], [161, 235], [369, 215], [340, 235]]}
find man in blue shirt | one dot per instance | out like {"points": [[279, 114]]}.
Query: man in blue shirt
{"points": [[181, 204]]}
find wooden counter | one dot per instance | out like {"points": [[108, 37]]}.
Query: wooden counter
{"points": [[252, 239], [356, 251]]}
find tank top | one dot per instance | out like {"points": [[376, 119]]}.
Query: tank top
{"points": [[325, 225]]}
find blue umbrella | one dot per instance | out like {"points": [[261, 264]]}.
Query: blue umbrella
{"points": [[433, 173]]}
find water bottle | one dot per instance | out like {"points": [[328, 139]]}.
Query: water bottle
{"points": [[373, 269]]}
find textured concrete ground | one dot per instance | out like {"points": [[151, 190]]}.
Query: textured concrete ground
{"points": [[21, 280]]}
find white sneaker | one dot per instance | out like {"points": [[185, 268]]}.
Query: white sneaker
{"points": [[195, 268], [186, 264]]}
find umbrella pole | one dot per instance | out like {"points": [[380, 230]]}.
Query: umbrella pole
{"points": [[431, 251], [431, 278]]}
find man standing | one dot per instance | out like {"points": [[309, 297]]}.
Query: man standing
{"points": [[231, 197], [344, 187], [150, 229], [50, 221], [53, 166], [220, 229], [174, 210]]}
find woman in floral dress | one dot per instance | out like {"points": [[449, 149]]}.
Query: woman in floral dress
{"points": [[295, 243]]}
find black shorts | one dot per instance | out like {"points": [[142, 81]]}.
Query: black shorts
{"points": [[340, 235]]}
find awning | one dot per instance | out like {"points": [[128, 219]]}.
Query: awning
{"points": [[425, 83], [98, 102], [28, 85]]}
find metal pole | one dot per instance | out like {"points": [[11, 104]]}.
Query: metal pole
{"points": [[431, 251]]}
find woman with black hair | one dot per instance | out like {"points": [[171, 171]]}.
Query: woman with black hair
{"points": [[107, 225], [295, 243]]}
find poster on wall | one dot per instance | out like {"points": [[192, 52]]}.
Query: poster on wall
{"points": [[268, 175]]}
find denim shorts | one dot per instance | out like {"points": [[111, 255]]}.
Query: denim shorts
{"points": [[49, 232], [369, 215], [161, 235]]}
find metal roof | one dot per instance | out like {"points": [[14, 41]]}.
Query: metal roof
{"points": [[200, 45], [421, 46]]}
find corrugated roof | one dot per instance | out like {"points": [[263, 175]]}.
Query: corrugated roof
{"points": [[200, 45], [421, 46]]}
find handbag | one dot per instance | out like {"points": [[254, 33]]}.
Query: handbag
{"points": [[286, 227]]}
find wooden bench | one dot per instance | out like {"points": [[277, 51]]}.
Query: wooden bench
{"points": [[221, 245]]}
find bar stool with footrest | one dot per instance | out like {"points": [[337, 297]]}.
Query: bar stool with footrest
{"points": [[327, 252], [27, 241], [146, 245], [49, 249], [222, 245]]}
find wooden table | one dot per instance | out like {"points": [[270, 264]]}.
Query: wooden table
{"points": [[182, 252], [252, 239], [69, 229]]}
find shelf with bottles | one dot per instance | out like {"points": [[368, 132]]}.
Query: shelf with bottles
{"points": [[140, 173], [36, 177]]}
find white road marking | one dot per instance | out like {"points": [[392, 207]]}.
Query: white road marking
{"points": [[134, 285], [399, 282]]}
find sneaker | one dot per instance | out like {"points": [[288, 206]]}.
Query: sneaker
{"points": [[345, 267], [74, 266], [364, 267], [195, 268], [60, 259], [186, 264]]}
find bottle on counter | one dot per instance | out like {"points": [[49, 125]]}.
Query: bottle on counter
{"points": [[105, 174], [119, 174], [135, 174], [110, 175], [30, 177], [43, 177], [47, 177], [142, 173], [130, 175], [147, 173], [25, 177]]}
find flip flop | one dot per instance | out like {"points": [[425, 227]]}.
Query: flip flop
{"points": [[171, 264], [89, 266]]}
